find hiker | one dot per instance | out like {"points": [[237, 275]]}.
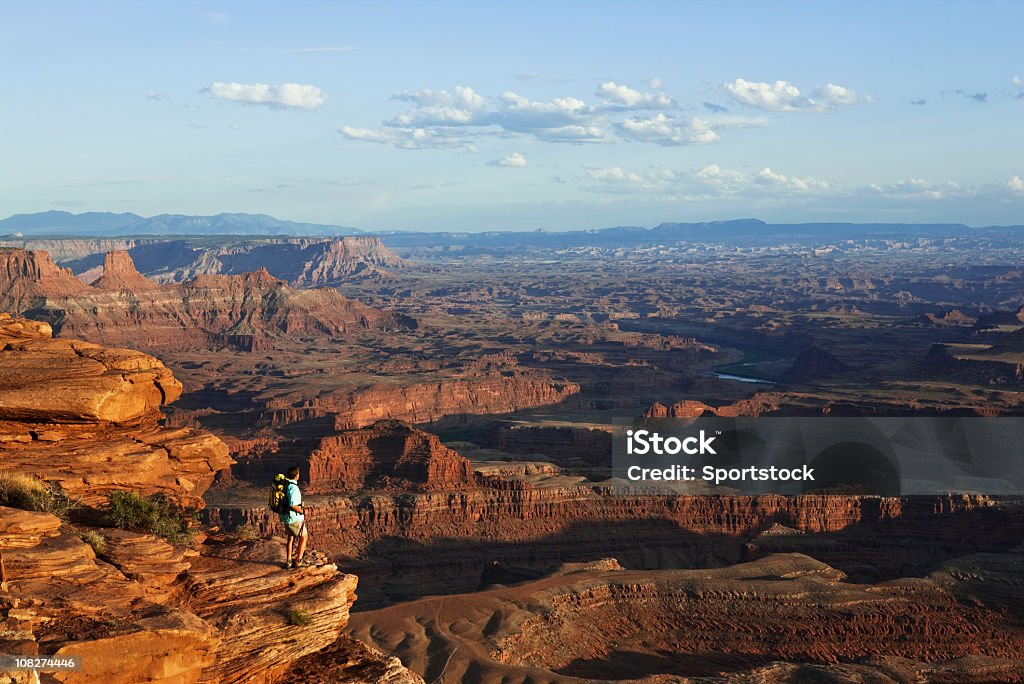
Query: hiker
{"points": [[294, 519]]}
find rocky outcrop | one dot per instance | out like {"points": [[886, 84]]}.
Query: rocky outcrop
{"points": [[426, 402], [147, 612], [44, 379], [387, 455], [302, 262], [87, 418], [28, 277], [267, 619], [996, 366], [246, 311], [61, 600], [119, 273], [337, 261]]}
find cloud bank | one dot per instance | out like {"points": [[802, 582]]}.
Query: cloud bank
{"points": [[285, 96]]}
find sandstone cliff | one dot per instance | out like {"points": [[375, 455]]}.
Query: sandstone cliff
{"points": [[119, 273], [88, 418], [429, 401], [28, 277], [144, 611], [386, 455], [122, 307], [134, 607]]}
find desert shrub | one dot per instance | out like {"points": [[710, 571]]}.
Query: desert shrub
{"points": [[245, 533], [19, 490], [94, 539], [155, 514], [298, 617]]}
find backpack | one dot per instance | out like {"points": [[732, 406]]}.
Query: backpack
{"points": [[279, 495]]}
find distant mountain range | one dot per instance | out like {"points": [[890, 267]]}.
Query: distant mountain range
{"points": [[741, 231], [109, 224], [749, 232]]}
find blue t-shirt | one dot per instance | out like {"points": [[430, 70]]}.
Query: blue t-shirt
{"points": [[293, 497]]}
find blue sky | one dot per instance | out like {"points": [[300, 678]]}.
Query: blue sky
{"points": [[474, 116]]}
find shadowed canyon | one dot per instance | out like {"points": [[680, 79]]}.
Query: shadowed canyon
{"points": [[450, 401]]}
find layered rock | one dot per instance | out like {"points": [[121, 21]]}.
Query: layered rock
{"points": [[245, 311], [336, 261], [44, 379], [87, 418], [28, 276], [150, 612], [119, 273], [302, 262], [386, 455], [442, 542], [600, 622], [267, 619], [61, 600], [426, 402]]}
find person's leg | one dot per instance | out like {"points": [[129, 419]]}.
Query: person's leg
{"points": [[303, 538], [288, 553]]}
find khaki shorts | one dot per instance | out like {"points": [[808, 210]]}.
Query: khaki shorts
{"points": [[296, 529]]}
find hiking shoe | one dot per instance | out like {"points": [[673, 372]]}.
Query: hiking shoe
{"points": [[300, 564], [288, 565]]}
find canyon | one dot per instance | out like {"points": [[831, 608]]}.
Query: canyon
{"points": [[451, 408], [86, 419]]}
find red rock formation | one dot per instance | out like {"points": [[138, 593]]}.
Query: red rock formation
{"points": [[386, 455], [87, 417], [600, 622], [337, 261], [119, 273], [426, 402], [235, 617], [43, 379], [27, 278], [244, 311]]}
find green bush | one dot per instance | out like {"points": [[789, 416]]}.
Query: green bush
{"points": [[154, 514], [299, 618], [19, 490], [245, 533], [94, 539]]}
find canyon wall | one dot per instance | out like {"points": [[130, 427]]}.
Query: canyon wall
{"points": [[124, 308]]}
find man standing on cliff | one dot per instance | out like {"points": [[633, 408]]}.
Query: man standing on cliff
{"points": [[294, 519]]}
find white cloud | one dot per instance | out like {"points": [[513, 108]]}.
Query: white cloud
{"points": [[768, 177], [783, 96], [455, 118], [512, 160], [656, 84], [563, 119], [614, 174], [710, 181], [1016, 185], [834, 95], [404, 138], [463, 97], [287, 96], [666, 130], [627, 97], [1019, 83], [918, 188]]}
